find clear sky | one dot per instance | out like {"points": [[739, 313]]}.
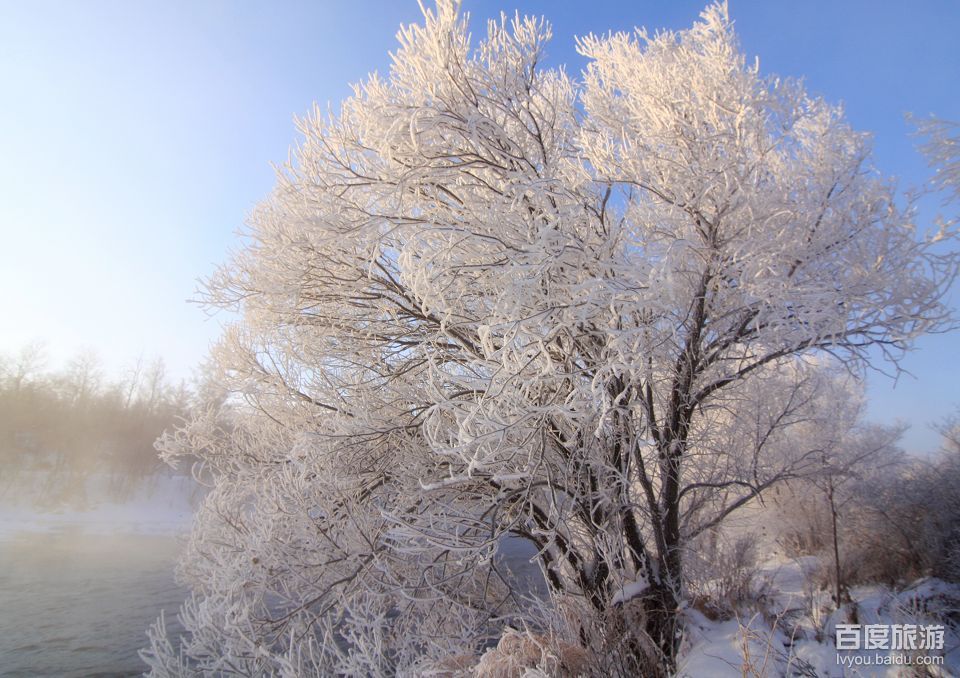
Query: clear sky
{"points": [[136, 136]]}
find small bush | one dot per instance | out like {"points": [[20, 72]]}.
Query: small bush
{"points": [[723, 576]]}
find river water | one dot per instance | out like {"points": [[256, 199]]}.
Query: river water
{"points": [[74, 604], [77, 605], [80, 586]]}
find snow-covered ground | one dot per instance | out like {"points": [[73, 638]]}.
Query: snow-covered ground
{"points": [[792, 629], [787, 624]]}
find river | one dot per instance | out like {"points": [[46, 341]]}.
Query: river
{"points": [[75, 604], [80, 586]]}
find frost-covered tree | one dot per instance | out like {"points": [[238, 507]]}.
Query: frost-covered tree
{"points": [[942, 148], [487, 299]]}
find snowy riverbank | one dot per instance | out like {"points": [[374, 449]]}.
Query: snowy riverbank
{"points": [[82, 580]]}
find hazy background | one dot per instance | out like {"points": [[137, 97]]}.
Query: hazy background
{"points": [[135, 136]]}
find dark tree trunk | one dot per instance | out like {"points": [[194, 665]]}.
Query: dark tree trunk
{"points": [[663, 627], [839, 588]]}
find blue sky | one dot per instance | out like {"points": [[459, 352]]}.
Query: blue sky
{"points": [[136, 136]]}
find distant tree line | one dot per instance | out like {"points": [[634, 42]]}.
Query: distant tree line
{"points": [[73, 421]]}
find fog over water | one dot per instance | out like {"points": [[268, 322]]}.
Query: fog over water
{"points": [[86, 566]]}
